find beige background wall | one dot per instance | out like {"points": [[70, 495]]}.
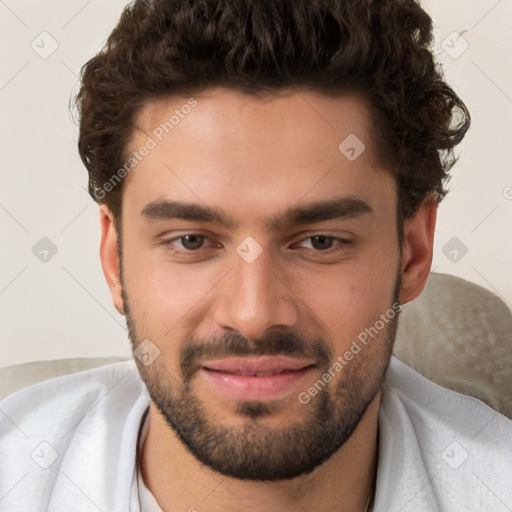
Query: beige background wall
{"points": [[61, 308]]}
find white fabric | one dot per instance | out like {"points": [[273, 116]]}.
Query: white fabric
{"points": [[87, 425]]}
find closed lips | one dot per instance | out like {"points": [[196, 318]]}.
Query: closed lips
{"points": [[261, 366], [255, 377], [254, 374]]}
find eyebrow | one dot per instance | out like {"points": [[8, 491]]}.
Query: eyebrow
{"points": [[337, 208]]}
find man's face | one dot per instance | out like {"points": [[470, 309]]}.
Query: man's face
{"points": [[250, 313]]}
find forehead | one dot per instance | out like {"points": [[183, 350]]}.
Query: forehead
{"points": [[224, 144], [221, 117]]}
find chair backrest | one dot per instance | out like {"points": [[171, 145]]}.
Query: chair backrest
{"points": [[459, 335], [19, 376]]}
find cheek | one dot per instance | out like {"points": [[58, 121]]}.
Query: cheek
{"points": [[163, 297], [348, 299]]}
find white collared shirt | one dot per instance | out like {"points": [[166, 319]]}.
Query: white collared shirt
{"points": [[69, 444]]}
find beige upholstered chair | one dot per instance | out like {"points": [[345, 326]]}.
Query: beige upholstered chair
{"points": [[456, 333], [459, 335]]}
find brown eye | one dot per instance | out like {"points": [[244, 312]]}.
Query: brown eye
{"points": [[320, 242], [191, 242], [189, 247]]}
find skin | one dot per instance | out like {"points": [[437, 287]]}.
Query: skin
{"points": [[253, 158]]}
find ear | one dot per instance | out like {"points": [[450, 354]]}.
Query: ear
{"points": [[417, 249], [109, 255]]}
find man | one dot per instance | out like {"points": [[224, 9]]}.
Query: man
{"points": [[268, 175]]}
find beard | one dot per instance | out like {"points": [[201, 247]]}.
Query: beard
{"points": [[252, 450]]}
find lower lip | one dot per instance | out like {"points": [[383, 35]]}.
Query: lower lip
{"points": [[245, 387]]}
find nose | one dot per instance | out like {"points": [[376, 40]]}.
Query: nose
{"points": [[254, 297]]}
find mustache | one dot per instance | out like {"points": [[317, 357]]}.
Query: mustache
{"points": [[287, 343]]}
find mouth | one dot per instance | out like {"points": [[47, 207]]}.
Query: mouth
{"points": [[256, 378]]}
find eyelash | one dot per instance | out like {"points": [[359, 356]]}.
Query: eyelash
{"points": [[342, 244]]}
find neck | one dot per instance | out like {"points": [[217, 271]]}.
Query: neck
{"points": [[178, 481]]}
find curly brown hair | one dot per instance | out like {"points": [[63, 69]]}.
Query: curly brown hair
{"points": [[381, 49]]}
